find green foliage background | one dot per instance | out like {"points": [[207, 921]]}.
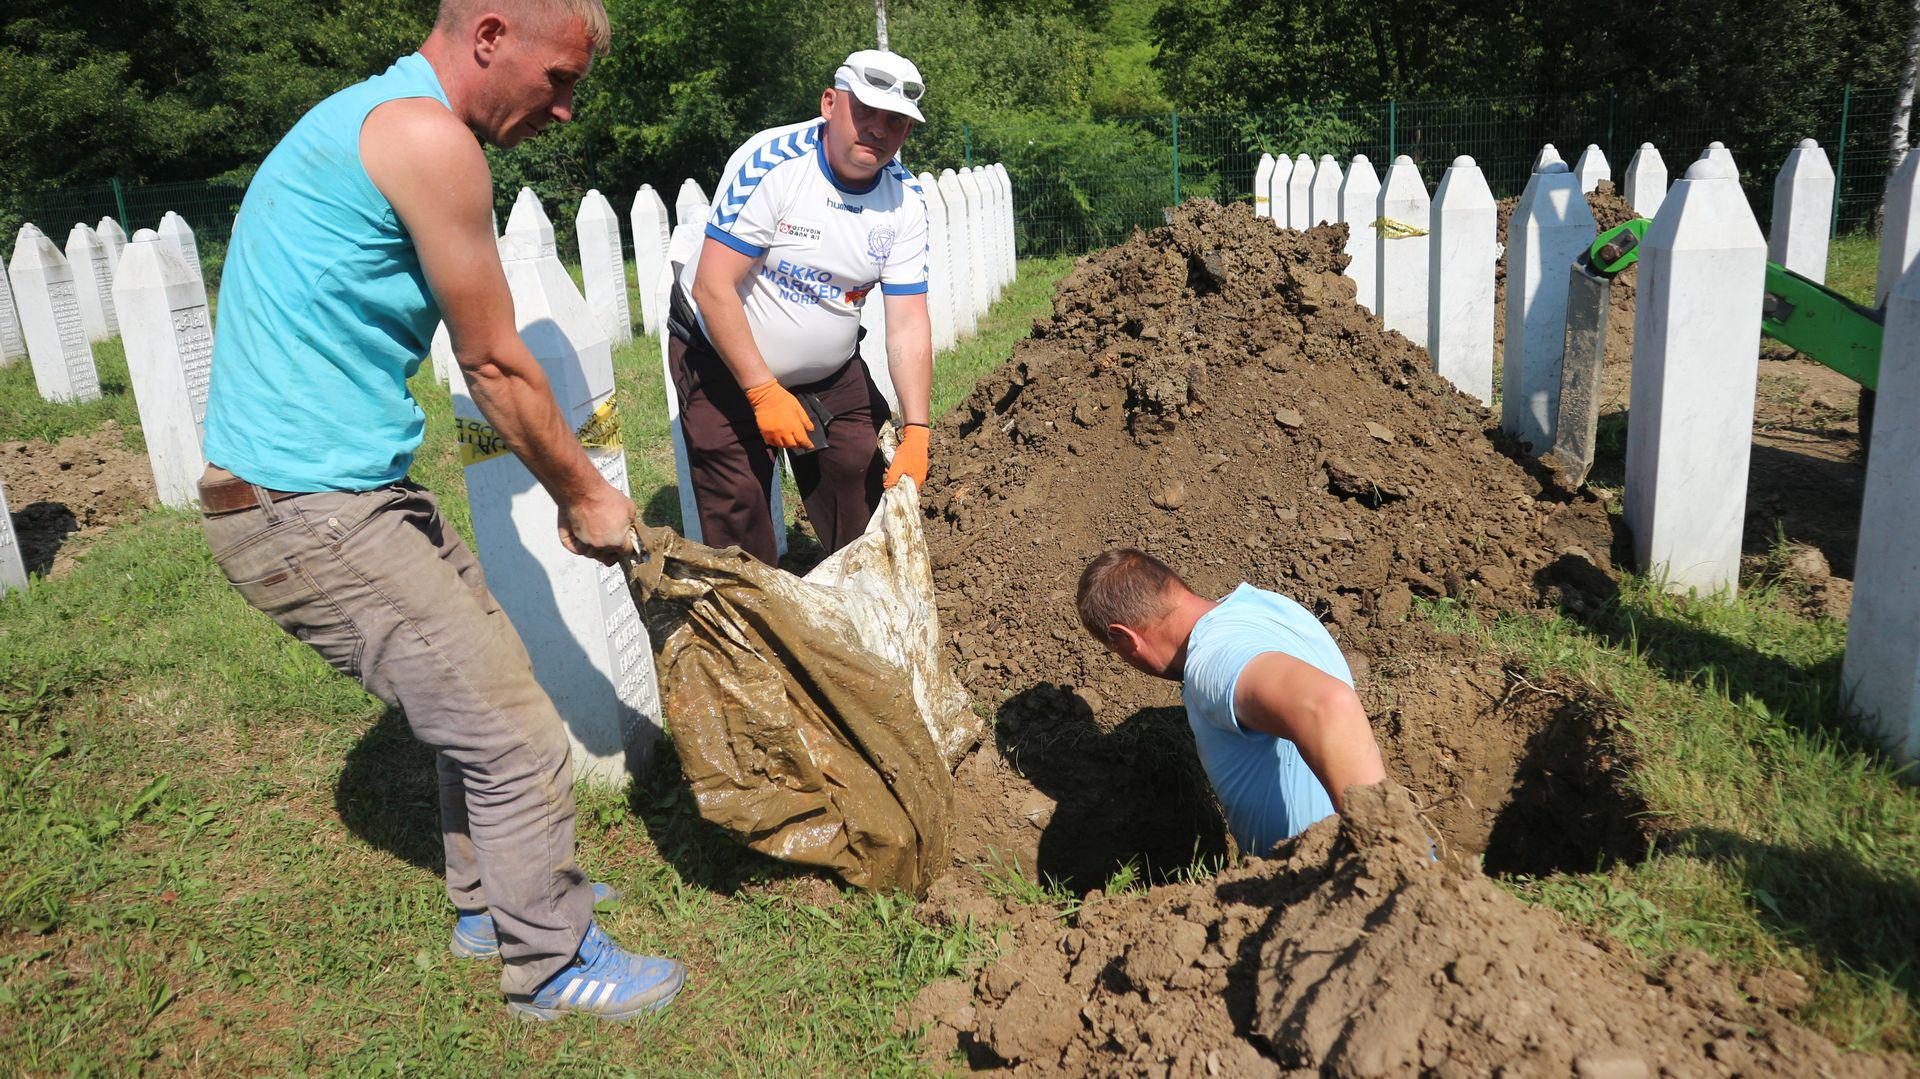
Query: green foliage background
{"points": [[1073, 96]]}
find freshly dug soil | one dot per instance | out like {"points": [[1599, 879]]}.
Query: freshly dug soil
{"points": [[1352, 952], [63, 495], [1210, 392]]}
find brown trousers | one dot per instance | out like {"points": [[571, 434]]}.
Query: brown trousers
{"points": [[387, 593], [732, 468]]}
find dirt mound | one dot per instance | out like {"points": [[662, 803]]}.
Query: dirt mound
{"points": [[62, 495], [1210, 392], [1352, 952]]}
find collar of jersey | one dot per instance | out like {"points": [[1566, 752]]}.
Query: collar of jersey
{"points": [[820, 156]]}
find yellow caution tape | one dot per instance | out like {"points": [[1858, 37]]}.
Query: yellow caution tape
{"points": [[480, 442], [1397, 230]]}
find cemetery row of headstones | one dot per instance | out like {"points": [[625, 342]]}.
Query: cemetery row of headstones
{"points": [[1426, 266]]}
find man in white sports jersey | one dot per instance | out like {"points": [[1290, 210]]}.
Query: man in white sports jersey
{"points": [[1269, 698], [810, 221]]}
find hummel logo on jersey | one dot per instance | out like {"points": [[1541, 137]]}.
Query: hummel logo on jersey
{"points": [[836, 204], [803, 232]]}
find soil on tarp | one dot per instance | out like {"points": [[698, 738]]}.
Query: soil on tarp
{"points": [[63, 495], [1807, 474], [1353, 952], [1211, 393]]}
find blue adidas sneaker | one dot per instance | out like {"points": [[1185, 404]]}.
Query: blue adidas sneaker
{"points": [[474, 936], [606, 982]]}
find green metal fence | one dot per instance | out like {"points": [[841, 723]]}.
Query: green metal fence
{"points": [[1085, 184]]}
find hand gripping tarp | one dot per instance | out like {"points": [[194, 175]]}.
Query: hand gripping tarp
{"points": [[813, 716]]}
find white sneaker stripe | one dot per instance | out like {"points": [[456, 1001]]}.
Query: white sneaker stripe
{"points": [[604, 994], [573, 987]]}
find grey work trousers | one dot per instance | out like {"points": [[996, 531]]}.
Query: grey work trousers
{"points": [[379, 585]]}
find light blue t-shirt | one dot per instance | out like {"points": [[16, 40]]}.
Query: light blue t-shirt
{"points": [[324, 310], [1268, 791]]}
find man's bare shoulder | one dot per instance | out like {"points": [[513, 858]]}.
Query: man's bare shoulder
{"points": [[416, 135]]}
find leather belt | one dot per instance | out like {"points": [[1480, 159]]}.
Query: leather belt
{"points": [[222, 492]]}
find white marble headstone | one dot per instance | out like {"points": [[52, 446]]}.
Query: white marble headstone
{"points": [[529, 218], [939, 286], [1300, 193], [959, 252], [980, 240], [589, 649], [169, 343], [650, 227], [690, 206], [1460, 276], [1592, 168], [1402, 243], [441, 353], [1323, 200], [1802, 212], [1882, 668], [1696, 362], [1899, 228], [175, 230], [12, 344], [1717, 151], [603, 265], [115, 239], [1646, 181], [92, 283], [13, 565], [49, 308], [1279, 182], [1551, 225], [1359, 208], [1013, 226], [1262, 191]]}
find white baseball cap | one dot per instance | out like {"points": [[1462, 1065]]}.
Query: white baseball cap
{"points": [[882, 80]]}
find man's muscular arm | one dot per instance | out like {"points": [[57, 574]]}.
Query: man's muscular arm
{"points": [[716, 291], [431, 168], [1283, 696]]}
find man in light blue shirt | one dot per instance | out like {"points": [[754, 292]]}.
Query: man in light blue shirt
{"points": [[1269, 697]]}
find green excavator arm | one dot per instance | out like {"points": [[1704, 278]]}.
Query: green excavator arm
{"points": [[1801, 314]]}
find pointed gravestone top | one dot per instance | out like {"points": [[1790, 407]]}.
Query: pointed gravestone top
{"points": [[115, 239], [92, 282], [690, 206], [1592, 168], [1547, 156], [1717, 151], [529, 218], [1646, 186], [175, 230], [50, 320], [1802, 212]]}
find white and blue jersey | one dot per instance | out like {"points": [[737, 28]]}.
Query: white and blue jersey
{"points": [[1265, 786], [821, 246]]}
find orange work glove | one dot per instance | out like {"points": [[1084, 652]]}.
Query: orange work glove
{"points": [[783, 422], [910, 458]]}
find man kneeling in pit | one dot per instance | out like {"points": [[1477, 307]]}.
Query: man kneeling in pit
{"points": [[1279, 728]]}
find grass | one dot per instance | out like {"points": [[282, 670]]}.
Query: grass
{"points": [[1852, 262], [24, 414], [216, 854]]}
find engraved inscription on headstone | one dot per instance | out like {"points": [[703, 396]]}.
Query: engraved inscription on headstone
{"points": [[190, 328], [169, 345], [12, 345], [49, 309]]}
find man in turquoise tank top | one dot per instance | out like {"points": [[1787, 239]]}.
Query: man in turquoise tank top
{"points": [[1269, 698], [366, 226]]}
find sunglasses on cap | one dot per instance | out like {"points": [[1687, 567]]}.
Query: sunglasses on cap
{"points": [[887, 82]]}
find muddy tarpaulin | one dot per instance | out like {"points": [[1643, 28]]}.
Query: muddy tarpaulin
{"points": [[812, 716]]}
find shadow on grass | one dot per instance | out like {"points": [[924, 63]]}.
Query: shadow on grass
{"points": [[1824, 900], [1133, 794], [1805, 695], [702, 853], [662, 507], [388, 793]]}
